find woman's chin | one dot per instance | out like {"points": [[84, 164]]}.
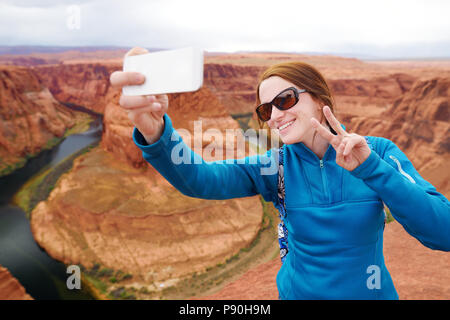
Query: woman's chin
{"points": [[291, 135], [289, 139]]}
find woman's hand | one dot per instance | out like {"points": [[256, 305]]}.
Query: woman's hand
{"points": [[351, 148], [145, 112]]}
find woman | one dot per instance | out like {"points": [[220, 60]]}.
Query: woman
{"points": [[335, 184]]}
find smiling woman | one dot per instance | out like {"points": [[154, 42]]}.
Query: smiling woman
{"points": [[297, 108], [309, 89]]}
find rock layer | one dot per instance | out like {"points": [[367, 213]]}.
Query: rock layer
{"points": [[10, 288], [85, 84], [30, 117]]}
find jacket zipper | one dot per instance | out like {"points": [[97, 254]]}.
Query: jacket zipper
{"points": [[324, 179]]}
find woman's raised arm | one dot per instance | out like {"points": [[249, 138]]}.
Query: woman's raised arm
{"points": [[413, 201], [197, 178]]}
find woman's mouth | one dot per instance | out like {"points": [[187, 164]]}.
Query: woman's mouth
{"points": [[286, 125]]}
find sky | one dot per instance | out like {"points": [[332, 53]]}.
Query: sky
{"points": [[364, 28]]}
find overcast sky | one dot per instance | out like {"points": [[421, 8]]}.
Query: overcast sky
{"points": [[381, 28]]}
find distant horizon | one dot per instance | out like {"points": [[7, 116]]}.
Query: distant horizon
{"points": [[367, 30], [26, 49]]}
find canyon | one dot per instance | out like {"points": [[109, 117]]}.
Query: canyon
{"points": [[132, 219], [113, 210], [31, 119]]}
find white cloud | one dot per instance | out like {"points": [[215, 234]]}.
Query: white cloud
{"points": [[289, 25], [41, 3]]}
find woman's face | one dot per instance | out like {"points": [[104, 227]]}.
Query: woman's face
{"points": [[300, 128]]}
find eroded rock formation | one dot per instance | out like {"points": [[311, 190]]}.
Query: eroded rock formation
{"points": [[85, 84], [10, 288], [30, 117]]}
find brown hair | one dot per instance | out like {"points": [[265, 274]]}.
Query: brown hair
{"points": [[305, 77]]}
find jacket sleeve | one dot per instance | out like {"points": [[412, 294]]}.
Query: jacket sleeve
{"points": [[194, 177], [414, 202]]}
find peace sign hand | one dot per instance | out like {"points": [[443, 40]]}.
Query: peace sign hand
{"points": [[351, 148]]}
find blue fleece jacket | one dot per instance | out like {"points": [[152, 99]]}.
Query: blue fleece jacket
{"points": [[335, 217]]}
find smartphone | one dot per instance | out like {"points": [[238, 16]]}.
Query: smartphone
{"points": [[168, 71]]}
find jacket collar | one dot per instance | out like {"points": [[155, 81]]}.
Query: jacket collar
{"points": [[306, 153]]}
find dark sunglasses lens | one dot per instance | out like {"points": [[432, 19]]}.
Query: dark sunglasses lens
{"points": [[285, 100], [264, 111]]}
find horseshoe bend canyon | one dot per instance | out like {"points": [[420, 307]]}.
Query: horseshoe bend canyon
{"points": [[134, 236]]}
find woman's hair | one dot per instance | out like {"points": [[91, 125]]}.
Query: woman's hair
{"points": [[305, 77]]}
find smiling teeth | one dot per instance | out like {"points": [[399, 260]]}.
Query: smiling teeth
{"points": [[285, 125]]}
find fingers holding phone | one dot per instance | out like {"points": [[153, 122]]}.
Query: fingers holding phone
{"points": [[144, 111], [157, 104], [119, 79], [147, 78]]}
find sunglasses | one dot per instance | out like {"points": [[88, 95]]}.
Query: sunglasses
{"points": [[285, 100]]}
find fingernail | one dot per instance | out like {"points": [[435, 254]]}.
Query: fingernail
{"points": [[140, 78]]}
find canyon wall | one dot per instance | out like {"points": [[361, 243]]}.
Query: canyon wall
{"points": [[234, 85], [30, 117], [85, 84], [10, 288]]}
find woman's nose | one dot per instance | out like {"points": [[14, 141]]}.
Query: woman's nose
{"points": [[275, 115]]}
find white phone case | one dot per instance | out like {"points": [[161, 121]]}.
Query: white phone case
{"points": [[169, 71]]}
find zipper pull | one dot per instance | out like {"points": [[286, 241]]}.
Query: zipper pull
{"points": [[321, 163]]}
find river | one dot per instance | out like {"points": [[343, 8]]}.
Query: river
{"points": [[40, 275]]}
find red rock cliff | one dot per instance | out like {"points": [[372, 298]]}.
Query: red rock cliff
{"points": [[10, 288], [29, 116], [85, 84]]}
